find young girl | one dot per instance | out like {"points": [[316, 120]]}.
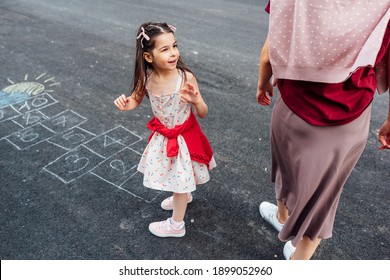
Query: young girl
{"points": [[178, 155]]}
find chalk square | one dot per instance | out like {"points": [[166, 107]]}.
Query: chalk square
{"points": [[135, 187], [139, 146], [64, 121], [72, 138], [118, 168], [29, 136], [8, 127], [53, 109], [112, 141], [125, 136], [73, 164], [29, 118], [36, 102], [7, 113]]}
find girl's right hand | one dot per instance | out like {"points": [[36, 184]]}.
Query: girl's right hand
{"points": [[122, 102]]}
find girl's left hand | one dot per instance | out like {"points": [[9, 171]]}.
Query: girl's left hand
{"points": [[190, 94]]}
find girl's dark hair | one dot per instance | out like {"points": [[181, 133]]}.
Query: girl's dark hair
{"points": [[142, 67]]}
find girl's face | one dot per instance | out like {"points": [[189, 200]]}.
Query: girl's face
{"points": [[165, 54]]}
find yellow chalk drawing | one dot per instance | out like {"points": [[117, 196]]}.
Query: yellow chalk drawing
{"points": [[31, 88]]}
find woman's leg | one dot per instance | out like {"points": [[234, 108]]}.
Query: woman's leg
{"points": [[305, 248], [282, 214]]}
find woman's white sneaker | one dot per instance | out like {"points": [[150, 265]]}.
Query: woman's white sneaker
{"points": [[288, 250], [268, 212]]}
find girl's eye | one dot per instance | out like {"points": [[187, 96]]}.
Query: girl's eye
{"points": [[175, 46]]}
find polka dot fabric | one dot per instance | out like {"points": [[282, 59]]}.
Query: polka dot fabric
{"points": [[325, 41]]}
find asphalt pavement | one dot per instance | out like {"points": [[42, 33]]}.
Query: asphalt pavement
{"points": [[69, 186]]}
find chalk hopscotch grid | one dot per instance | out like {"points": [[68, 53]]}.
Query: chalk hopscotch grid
{"points": [[67, 154], [44, 95], [83, 120], [30, 106], [102, 156], [29, 116], [119, 142], [32, 99], [29, 110], [120, 186], [110, 158], [94, 169], [19, 133], [67, 132], [3, 113], [25, 105], [25, 116]]}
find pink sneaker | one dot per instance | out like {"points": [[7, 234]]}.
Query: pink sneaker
{"points": [[166, 229], [167, 204]]}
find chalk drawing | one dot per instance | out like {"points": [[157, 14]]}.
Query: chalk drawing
{"points": [[38, 102], [73, 164], [29, 136], [20, 91], [112, 141], [31, 104], [108, 156], [75, 160], [7, 113], [29, 118], [45, 129], [118, 168], [64, 121], [31, 88], [72, 138]]}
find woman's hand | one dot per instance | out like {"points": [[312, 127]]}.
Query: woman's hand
{"points": [[265, 89], [384, 135], [264, 93]]}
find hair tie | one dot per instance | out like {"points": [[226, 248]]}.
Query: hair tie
{"points": [[143, 35], [172, 27]]}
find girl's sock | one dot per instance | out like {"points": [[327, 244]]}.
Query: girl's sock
{"points": [[177, 225]]}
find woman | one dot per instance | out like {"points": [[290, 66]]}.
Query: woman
{"points": [[327, 59]]}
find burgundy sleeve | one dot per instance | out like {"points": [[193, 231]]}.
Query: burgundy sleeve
{"points": [[268, 8], [385, 45]]}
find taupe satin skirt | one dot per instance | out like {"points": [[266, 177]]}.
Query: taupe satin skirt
{"points": [[310, 165]]}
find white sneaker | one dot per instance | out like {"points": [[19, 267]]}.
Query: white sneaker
{"points": [[288, 250], [268, 212], [167, 204]]}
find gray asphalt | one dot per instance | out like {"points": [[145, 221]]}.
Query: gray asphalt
{"points": [[68, 186]]}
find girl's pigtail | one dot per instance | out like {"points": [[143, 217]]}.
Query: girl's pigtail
{"points": [[139, 76], [140, 67]]}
